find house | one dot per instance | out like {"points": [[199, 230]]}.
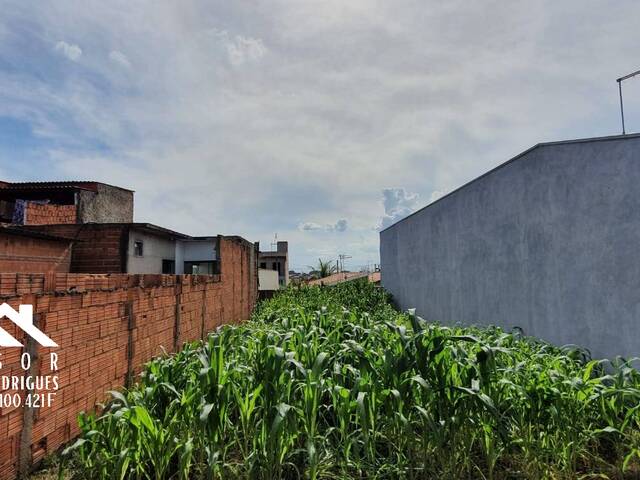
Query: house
{"points": [[33, 252], [277, 260], [38, 203], [99, 219], [546, 242], [135, 248]]}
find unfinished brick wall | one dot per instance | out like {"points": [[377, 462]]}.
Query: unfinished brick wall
{"points": [[107, 327], [99, 249], [20, 253], [47, 213]]}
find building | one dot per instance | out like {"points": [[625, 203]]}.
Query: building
{"points": [[341, 277], [33, 252], [99, 217], [547, 242], [38, 203], [277, 260], [338, 277], [268, 282], [135, 248]]}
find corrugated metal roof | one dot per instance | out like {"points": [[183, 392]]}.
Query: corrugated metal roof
{"points": [[57, 185]]}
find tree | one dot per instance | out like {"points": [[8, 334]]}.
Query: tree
{"points": [[324, 268]]}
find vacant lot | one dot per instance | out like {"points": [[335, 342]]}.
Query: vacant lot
{"points": [[334, 383]]}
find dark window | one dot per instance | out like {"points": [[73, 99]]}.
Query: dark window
{"points": [[275, 266], [168, 266], [201, 268], [263, 265], [138, 249]]}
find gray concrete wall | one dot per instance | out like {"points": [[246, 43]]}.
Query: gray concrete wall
{"points": [[108, 205], [549, 242], [155, 249]]}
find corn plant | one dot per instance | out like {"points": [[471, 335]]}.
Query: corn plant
{"points": [[335, 383]]}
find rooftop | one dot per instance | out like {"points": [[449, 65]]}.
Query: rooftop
{"points": [[59, 185], [273, 254]]}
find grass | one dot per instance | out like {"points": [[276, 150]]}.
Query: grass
{"points": [[334, 383]]}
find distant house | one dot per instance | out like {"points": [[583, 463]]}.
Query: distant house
{"points": [[98, 219], [41, 203], [136, 248], [340, 277], [277, 260]]}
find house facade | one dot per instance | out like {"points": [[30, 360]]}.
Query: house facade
{"points": [[277, 260]]}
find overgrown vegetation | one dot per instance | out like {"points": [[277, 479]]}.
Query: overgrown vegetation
{"points": [[334, 383]]}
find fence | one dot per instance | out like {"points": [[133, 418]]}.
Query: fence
{"points": [[107, 327]]}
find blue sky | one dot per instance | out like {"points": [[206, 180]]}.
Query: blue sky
{"points": [[320, 121]]}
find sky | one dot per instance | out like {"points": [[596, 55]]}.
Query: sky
{"points": [[318, 121]]}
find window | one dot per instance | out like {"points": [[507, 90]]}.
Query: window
{"points": [[201, 268], [277, 266], [263, 265], [168, 266], [138, 248]]}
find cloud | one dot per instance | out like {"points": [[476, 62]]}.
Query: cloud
{"points": [[246, 117], [398, 203], [241, 49], [119, 58], [340, 226], [71, 51], [310, 226]]}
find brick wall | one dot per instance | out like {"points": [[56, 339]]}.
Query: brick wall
{"points": [[20, 253], [42, 214], [107, 327], [99, 249]]}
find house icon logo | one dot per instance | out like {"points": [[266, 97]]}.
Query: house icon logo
{"points": [[23, 318]]}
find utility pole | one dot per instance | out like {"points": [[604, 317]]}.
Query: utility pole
{"points": [[342, 258], [620, 80]]}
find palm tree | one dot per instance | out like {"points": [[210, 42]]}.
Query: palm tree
{"points": [[324, 268]]}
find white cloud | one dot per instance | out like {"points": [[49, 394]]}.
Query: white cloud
{"points": [[340, 226], [310, 226], [398, 203], [119, 58], [69, 50], [241, 49]]}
